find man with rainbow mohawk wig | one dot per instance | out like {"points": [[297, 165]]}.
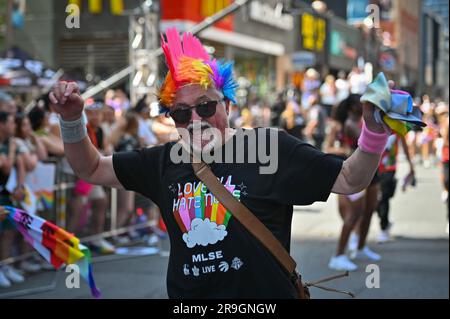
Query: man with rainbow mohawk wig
{"points": [[212, 254], [194, 78]]}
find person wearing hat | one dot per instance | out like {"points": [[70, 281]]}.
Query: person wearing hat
{"points": [[212, 254]]}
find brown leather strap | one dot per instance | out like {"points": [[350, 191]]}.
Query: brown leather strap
{"points": [[244, 216]]}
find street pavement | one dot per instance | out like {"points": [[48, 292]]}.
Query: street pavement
{"points": [[414, 265]]}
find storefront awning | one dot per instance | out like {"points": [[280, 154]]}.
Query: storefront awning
{"points": [[243, 41], [230, 38]]}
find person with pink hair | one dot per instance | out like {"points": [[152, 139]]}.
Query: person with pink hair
{"points": [[212, 254]]}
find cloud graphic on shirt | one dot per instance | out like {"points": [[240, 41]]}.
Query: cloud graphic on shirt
{"points": [[204, 233]]}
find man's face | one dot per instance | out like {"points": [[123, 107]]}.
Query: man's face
{"points": [[108, 114], [8, 128], [94, 117], [145, 113], [8, 107], [26, 127], [194, 94]]}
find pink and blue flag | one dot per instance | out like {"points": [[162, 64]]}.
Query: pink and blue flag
{"points": [[54, 244]]}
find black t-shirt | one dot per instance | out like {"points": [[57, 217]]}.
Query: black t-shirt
{"points": [[212, 254]]}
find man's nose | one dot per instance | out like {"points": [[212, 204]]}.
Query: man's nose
{"points": [[195, 116]]}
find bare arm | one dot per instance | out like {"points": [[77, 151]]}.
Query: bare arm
{"points": [[330, 140], [53, 145], [21, 172], [18, 193], [30, 161], [406, 151], [87, 163], [310, 127], [356, 173], [85, 159], [41, 151]]}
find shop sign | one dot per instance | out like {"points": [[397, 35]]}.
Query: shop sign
{"points": [[339, 46], [314, 32], [265, 13]]}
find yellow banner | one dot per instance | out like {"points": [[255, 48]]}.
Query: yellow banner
{"points": [[95, 6], [116, 7]]}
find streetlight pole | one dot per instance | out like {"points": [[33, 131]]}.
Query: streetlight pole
{"points": [[143, 37]]}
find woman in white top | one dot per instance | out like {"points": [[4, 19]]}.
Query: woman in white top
{"points": [[328, 94], [29, 145]]}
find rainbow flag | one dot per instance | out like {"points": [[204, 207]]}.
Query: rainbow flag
{"points": [[46, 198], [55, 245]]}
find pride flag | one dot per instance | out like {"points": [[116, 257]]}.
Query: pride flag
{"points": [[46, 199], [55, 245]]}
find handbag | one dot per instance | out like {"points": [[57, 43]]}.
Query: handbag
{"points": [[260, 231]]}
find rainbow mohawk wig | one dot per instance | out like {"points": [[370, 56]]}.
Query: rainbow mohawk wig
{"points": [[189, 63]]}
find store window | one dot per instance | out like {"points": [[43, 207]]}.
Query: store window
{"points": [[257, 71]]}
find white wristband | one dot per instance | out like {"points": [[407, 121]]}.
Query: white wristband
{"points": [[73, 131]]}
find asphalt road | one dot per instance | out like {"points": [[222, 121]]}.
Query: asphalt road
{"points": [[414, 265]]}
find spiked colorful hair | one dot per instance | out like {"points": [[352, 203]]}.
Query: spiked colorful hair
{"points": [[189, 63]]}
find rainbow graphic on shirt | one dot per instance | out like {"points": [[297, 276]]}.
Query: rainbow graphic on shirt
{"points": [[200, 216]]}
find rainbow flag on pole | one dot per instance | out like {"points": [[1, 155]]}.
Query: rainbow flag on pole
{"points": [[56, 245]]}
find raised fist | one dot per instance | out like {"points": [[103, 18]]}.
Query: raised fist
{"points": [[66, 100]]}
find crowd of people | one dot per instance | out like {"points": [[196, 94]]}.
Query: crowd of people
{"points": [[29, 138], [327, 114]]}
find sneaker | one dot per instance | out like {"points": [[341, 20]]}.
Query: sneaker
{"points": [[12, 274], [444, 196], [365, 254], [103, 247], [4, 282], [383, 237], [122, 240], [30, 266], [353, 242], [152, 240], [342, 263]]}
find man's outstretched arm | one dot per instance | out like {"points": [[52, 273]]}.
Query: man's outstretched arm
{"points": [[83, 157], [358, 170]]}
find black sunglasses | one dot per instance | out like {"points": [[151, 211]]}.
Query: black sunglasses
{"points": [[204, 109]]}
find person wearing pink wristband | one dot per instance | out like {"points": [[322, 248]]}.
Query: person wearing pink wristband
{"points": [[197, 94], [350, 133]]}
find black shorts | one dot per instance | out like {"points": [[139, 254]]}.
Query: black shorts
{"points": [[327, 108], [388, 184]]}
